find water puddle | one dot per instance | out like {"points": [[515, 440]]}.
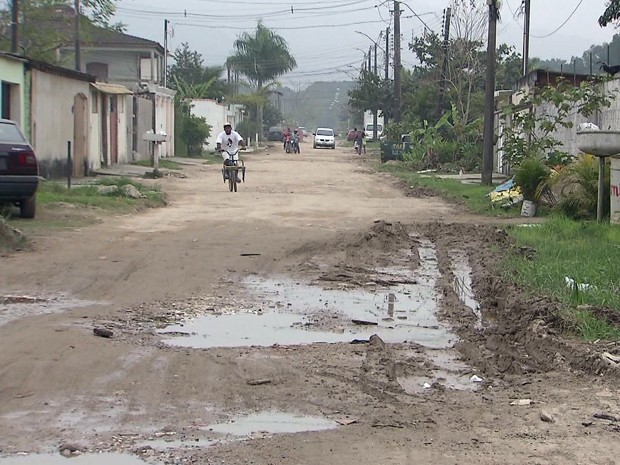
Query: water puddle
{"points": [[15, 307], [164, 444], [463, 284], [86, 459], [273, 423], [292, 313], [449, 372]]}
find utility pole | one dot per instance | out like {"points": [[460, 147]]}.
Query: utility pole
{"points": [[489, 98], [375, 115], [14, 26], [526, 37], [387, 53], [78, 52], [444, 62], [165, 53], [397, 65], [370, 59]]}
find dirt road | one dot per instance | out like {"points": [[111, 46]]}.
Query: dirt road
{"points": [[318, 316]]}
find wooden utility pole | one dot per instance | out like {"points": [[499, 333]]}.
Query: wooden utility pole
{"points": [[397, 64], [375, 116], [444, 63], [489, 98], [526, 36], [14, 26], [78, 52], [165, 53], [387, 53]]}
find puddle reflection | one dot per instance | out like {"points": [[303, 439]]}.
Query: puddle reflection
{"points": [[273, 422]]}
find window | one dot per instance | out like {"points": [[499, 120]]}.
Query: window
{"points": [[94, 102], [145, 70], [325, 132], [99, 70], [10, 133]]}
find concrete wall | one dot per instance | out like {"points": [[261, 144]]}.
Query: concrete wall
{"points": [[143, 115], [164, 119], [123, 65], [216, 115], [52, 119], [95, 140], [12, 72]]}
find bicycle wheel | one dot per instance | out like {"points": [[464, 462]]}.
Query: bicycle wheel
{"points": [[235, 182], [231, 180]]}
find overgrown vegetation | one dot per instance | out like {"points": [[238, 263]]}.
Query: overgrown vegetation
{"points": [[575, 262]]}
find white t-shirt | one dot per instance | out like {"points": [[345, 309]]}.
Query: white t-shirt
{"points": [[230, 142]]}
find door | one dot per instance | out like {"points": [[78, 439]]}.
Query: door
{"points": [[113, 130], [80, 135], [6, 100]]}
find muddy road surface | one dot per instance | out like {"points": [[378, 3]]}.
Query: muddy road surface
{"points": [[318, 316]]}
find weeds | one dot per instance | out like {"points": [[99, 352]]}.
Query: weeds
{"points": [[577, 263], [163, 164]]}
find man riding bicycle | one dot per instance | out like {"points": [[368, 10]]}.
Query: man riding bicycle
{"points": [[229, 141]]}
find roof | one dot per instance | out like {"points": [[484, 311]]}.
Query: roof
{"points": [[59, 70], [113, 89], [99, 37], [12, 56]]}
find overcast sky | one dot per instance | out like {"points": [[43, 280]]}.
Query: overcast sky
{"points": [[322, 34]]}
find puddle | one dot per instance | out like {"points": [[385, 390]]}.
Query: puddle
{"points": [[449, 372], [273, 422], [462, 283], [86, 459], [15, 307], [294, 313], [164, 444]]}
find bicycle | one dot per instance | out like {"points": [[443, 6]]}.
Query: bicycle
{"points": [[230, 171]]}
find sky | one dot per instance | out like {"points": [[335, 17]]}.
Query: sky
{"points": [[328, 38]]}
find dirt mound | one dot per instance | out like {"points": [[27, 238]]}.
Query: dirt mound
{"points": [[521, 333], [10, 237]]}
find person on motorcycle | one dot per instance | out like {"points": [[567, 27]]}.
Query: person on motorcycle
{"points": [[286, 137], [229, 141], [296, 138]]}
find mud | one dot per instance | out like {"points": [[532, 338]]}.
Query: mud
{"points": [[356, 244]]}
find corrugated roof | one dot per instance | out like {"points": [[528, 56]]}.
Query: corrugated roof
{"points": [[114, 89]]}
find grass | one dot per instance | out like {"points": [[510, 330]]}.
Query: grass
{"points": [[163, 164], [588, 253], [473, 195], [88, 196]]}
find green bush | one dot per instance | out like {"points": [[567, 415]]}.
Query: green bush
{"points": [[531, 174]]}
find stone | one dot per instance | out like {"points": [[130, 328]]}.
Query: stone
{"points": [[131, 191], [107, 190], [546, 417], [376, 341], [103, 332]]}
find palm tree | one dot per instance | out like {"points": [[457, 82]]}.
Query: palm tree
{"points": [[261, 57]]}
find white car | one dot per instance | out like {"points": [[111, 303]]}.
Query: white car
{"points": [[324, 137]]}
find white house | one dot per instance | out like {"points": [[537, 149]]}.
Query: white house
{"points": [[216, 115]]}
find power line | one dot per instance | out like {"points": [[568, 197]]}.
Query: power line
{"points": [[561, 25]]}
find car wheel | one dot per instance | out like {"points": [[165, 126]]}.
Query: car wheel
{"points": [[313, 146], [28, 207]]}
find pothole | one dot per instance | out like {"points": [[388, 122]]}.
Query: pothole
{"points": [[272, 423], [294, 313], [85, 459], [15, 307], [463, 283]]}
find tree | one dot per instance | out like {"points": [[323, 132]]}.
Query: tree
{"points": [[261, 57], [192, 79], [611, 13], [371, 93], [47, 25]]}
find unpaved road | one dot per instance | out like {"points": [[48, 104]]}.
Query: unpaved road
{"points": [[309, 244]]}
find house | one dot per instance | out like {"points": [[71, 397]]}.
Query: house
{"points": [[12, 89], [216, 114], [537, 78], [63, 111], [137, 64]]}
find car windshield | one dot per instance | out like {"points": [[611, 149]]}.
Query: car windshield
{"points": [[369, 127], [324, 132], [10, 133]]}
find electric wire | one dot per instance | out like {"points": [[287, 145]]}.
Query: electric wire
{"points": [[561, 25]]}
